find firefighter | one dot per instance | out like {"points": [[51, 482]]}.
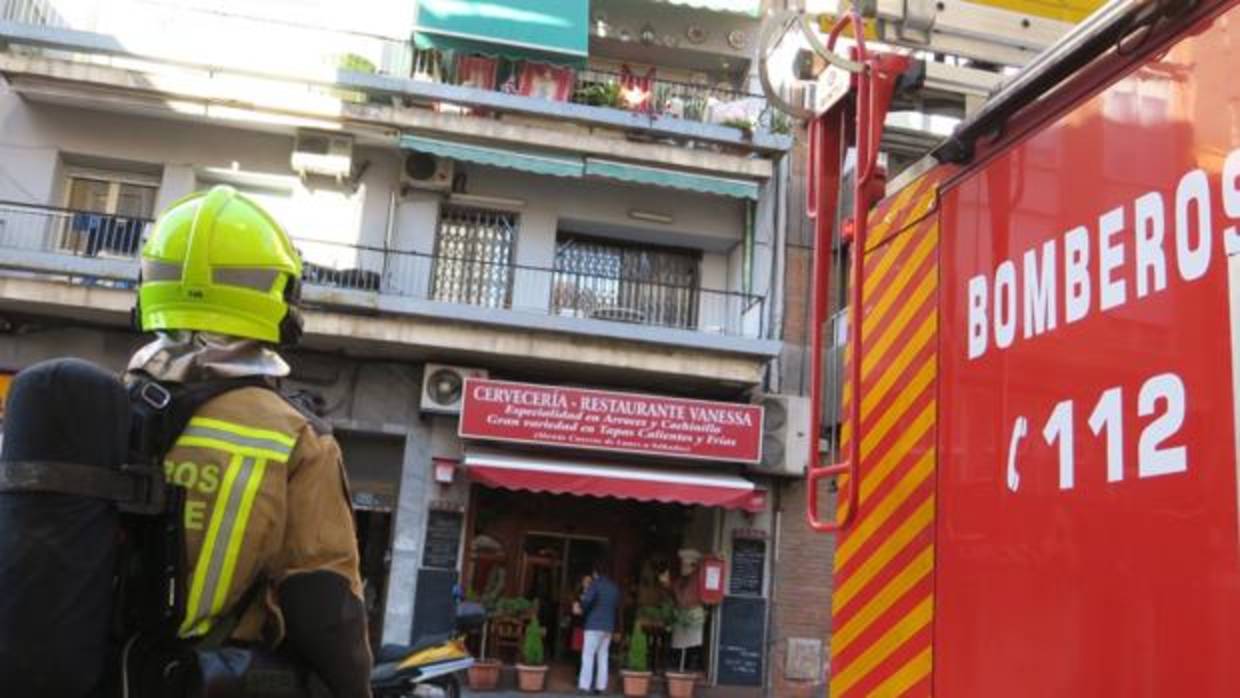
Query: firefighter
{"points": [[267, 517]]}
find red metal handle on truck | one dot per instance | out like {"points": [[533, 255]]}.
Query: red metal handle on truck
{"points": [[827, 142], [875, 85]]}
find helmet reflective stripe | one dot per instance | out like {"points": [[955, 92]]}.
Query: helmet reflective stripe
{"points": [[155, 270], [255, 279], [250, 451]]}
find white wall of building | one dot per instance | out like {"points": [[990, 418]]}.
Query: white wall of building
{"points": [[295, 37]]}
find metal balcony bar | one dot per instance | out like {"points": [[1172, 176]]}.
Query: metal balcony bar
{"points": [[94, 248]]}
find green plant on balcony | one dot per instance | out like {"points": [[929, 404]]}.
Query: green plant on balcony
{"points": [[356, 63], [599, 94], [742, 124], [781, 123], [695, 108]]}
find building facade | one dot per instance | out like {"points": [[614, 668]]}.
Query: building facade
{"points": [[545, 253]]}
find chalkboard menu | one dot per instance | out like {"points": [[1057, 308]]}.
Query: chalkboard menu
{"points": [[742, 641], [433, 610], [748, 567], [443, 539]]}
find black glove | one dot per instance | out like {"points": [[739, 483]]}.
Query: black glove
{"points": [[326, 626]]}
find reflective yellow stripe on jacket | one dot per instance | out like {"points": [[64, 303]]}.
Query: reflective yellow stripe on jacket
{"points": [[250, 450]]}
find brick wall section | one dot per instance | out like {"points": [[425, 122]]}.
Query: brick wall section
{"points": [[802, 596], [802, 599]]}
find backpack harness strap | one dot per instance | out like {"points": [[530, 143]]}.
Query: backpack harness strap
{"points": [[161, 412], [134, 488]]}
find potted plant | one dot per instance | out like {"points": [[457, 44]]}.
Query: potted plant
{"points": [[636, 672], [532, 675], [484, 673], [680, 683]]}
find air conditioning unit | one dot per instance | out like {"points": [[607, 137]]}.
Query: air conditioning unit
{"points": [[323, 153], [443, 387], [785, 435], [425, 171]]}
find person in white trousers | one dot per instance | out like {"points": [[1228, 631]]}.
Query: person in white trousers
{"points": [[599, 604], [595, 652]]}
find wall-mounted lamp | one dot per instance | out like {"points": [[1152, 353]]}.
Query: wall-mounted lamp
{"points": [[652, 216]]}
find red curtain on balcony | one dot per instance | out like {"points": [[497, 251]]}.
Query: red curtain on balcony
{"points": [[477, 71], [546, 81], [637, 91]]}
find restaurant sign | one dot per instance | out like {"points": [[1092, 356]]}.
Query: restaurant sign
{"points": [[610, 421]]}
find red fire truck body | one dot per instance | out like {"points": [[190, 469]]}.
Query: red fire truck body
{"points": [[1046, 497]]}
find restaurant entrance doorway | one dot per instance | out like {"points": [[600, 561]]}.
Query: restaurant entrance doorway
{"points": [[553, 569]]}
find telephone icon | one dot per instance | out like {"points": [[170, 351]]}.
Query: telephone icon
{"points": [[1019, 431]]}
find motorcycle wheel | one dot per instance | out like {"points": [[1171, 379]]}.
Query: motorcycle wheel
{"points": [[451, 686]]}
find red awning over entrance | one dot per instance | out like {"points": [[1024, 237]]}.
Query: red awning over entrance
{"points": [[518, 472]]}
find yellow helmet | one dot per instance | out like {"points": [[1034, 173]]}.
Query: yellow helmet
{"points": [[217, 262]]}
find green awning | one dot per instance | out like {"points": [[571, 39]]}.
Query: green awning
{"points": [[659, 177], [526, 161], [750, 8], [549, 30]]}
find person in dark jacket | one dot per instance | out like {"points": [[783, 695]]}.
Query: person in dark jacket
{"points": [[599, 605]]}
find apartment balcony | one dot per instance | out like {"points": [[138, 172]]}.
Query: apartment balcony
{"points": [[361, 72], [96, 253]]}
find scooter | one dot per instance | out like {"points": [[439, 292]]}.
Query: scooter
{"points": [[430, 668]]}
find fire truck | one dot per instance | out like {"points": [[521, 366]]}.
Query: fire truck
{"points": [[1036, 486]]}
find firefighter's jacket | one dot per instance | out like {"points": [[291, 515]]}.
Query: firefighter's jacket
{"points": [[266, 499]]}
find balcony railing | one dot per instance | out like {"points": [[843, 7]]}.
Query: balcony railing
{"points": [[97, 249], [641, 92], [316, 47]]}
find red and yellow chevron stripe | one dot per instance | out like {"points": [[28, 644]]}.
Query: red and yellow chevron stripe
{"points": [[883, 602]]}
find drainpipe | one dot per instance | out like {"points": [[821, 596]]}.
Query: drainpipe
{"points": [[775, 291], [777, 521], [388, 231], [747, 253]]}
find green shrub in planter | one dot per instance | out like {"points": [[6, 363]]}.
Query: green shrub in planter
{"points": [[532, 645], [638, 657]]}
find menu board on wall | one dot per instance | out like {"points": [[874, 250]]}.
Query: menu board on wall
{"points": [[748, 567], [433, 610], [443, 539], [610, 421], [742, 641]]}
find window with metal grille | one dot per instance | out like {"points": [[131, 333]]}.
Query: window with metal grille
{"points": [[612, 280], [473, 257]]}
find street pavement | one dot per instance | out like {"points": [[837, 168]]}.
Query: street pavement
{"points": [[517, 694]]}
